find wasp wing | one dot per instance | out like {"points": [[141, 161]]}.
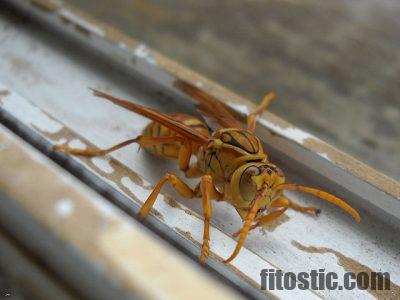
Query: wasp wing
{"points": [[156, 116], [209, 106]]}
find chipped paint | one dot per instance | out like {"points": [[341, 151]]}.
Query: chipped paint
{"points": [[29, 113], [103, 164], [144, 53], [134, 188], [77, 143], [271, 226], [61, 141], [293, 133], [170, 201], [352, 265], [187, 234], [324, 155], [64, 207], [244, 109]]}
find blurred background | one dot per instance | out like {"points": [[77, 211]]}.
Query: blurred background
{"points": [[335, 65]]}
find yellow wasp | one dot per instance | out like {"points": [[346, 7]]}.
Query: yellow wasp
{"points": [[231, 162]]}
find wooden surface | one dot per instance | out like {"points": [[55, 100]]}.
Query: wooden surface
{"points": [[129, 257], [44, 75]]}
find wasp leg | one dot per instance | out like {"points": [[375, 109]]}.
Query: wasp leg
{"points": [[208, 192], [179, 186], [252, 118], [283, 201], [185, 152], [266, 219], [193, 171], [93, 152], [142, 140]]}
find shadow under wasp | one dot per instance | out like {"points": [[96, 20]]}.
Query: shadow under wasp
{"points": [[231, 163]]}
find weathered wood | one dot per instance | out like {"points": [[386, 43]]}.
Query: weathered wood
{"points": [[48, 64], [109, 242]]}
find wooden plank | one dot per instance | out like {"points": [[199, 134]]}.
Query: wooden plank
{"points": [[133, 261]]}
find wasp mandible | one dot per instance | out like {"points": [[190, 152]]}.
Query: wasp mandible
{"points": [[231, 163]]}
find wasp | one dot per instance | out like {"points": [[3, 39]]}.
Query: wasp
{"points": [[231, 162]]}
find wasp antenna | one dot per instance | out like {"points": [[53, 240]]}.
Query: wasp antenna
{"points": [[104, 95], [323, 195], [95, 91], [265, 102], [252, 118]]}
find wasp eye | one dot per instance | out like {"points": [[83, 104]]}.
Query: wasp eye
{"points": [[247, 186], [279, 172], [252, 171], [266, 168]]}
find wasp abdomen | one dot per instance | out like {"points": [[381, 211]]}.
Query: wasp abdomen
{"points": [[171, 150]]}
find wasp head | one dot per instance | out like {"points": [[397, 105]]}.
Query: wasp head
{"points": [[255, 180]]}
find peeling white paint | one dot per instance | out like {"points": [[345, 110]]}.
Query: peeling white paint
{"points": [[135, 189], [129, 184], [77, 20], [239, 107], [64, 207], [291, 133], [325, 155], [143, 52], [24, 110], [61, 141], [77, 144], [103, 164]]}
